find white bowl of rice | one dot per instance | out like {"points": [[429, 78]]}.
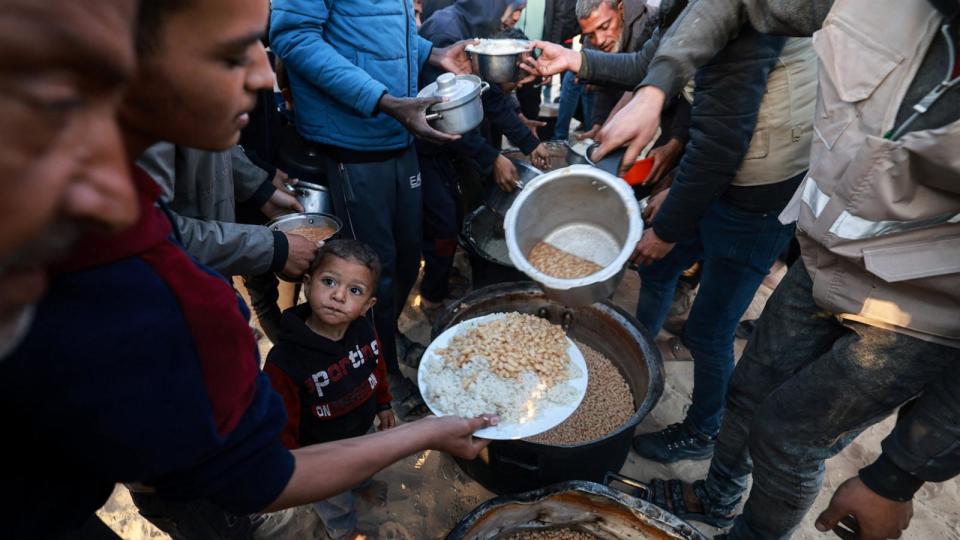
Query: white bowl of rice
{"points": [[519, 367]]}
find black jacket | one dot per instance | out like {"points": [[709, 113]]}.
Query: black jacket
{"points": [[332, 389]]}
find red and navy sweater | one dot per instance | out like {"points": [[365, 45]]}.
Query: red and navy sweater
{"points": [[139, 367], [332, 389]]}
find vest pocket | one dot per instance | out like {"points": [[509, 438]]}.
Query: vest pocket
{"points": [[852, 66]]}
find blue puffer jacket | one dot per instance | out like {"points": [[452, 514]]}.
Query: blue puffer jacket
{"points": [[342, 56]]}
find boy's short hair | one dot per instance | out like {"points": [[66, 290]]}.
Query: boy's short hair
{"points": [[349, 249], [151, 18]]}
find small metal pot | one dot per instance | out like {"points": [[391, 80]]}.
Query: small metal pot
{"points": [[462, 109], [291, 222], [576, 153], [500, 201], [314, 197], [584, 211], [498, 60]]}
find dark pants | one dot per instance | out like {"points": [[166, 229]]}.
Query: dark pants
{"points": [[191, 520], [442, 218], [263, 299], [380, 204], [737, 249], [806, 385]]}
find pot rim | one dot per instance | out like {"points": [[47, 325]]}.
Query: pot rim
{"points": [[309, 185], [521, 46], [610, 271]]}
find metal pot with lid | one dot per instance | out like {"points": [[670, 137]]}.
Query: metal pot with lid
{"points": [[586, 507], [461, 109], [314, 198]]}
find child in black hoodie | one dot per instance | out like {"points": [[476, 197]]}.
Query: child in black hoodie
{"points": [[328, 365]]}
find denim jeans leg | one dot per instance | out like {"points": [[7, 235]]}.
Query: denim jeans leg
{"points": [[570, 92], [338, 513], [852, 377], [739, 248], [659, 280], [791, 330]]}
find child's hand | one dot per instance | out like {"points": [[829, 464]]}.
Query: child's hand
{"points": [[387, 420]]}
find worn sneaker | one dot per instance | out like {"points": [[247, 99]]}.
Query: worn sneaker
{"points": [[674, 443]]}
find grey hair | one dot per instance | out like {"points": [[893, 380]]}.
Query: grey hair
{"points": [[586, 7]]}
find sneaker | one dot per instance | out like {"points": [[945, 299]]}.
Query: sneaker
{"points": [[675, 443]]}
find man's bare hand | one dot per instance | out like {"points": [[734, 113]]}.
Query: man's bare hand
{"points": [[653, 205], [592, 134], [454, 435], [532, 125], [300, 253], [553, 59], [412, 113], [650, 249], [453, 58], [280, 203], [634, 126], [540, 157], [664, 159], [857, 513], [505, 174]]}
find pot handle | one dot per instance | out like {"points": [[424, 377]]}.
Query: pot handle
{"points": [[434, 116], [484, 86], [519, 464], [611, 477]]}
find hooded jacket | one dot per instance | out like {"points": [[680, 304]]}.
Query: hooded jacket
{"points": [[342, 57], [332, 389]]}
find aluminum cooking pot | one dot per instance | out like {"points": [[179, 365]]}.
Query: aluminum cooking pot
{"points": [[462, 109], [583, 211], [291, 223], [586, 507], [498, 60], [500, 201], [314, 197]]}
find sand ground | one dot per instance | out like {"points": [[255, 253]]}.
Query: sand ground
{"points": [[424, 496]]}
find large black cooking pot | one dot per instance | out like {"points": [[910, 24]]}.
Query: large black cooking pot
{"points": [[483, 239], [516, 466], [582, 506]]}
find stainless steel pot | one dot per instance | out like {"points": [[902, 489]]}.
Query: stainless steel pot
{"points": [[500, 201], [576, 153], [462, 109], [498, 60], [588, 507], [581, 210], [292, 222], [314, 197]]}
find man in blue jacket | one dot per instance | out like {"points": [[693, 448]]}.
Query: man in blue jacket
{"points": [[353, 68]]}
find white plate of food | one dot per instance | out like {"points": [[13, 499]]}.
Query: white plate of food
{"points": [[517, 366]]}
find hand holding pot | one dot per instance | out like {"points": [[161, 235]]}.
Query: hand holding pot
{"points": [[505, 174], [453, 58], [540, 157], [553, 59], [412, 113], [634, 126]]}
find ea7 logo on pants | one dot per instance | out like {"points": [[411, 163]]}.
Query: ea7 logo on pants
{"points": [[415, 181]]}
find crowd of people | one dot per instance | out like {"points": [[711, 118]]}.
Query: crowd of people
{"points": [[141, 144]]}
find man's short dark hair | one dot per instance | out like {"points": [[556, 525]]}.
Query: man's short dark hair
{"points": [[151, 18], [349, 249]]}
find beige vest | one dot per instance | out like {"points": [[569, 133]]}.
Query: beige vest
{"points": [[878, 219], [780, 147]]}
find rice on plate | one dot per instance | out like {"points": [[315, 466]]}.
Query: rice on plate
{"points": [[519, 367]]}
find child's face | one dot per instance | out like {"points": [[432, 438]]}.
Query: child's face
{"points": [[340, 290]]}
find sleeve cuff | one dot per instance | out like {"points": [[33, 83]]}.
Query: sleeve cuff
{"points": [[263, 193], [584, 72], [487, 156], [529, 143], [281, 248], [886, 479], [664, 233]]}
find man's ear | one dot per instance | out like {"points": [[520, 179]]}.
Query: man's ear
{"points": [[372, 301]]}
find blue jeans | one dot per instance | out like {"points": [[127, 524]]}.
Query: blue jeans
{"points": [[805, 387], [737, 249], [571, 93]]}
